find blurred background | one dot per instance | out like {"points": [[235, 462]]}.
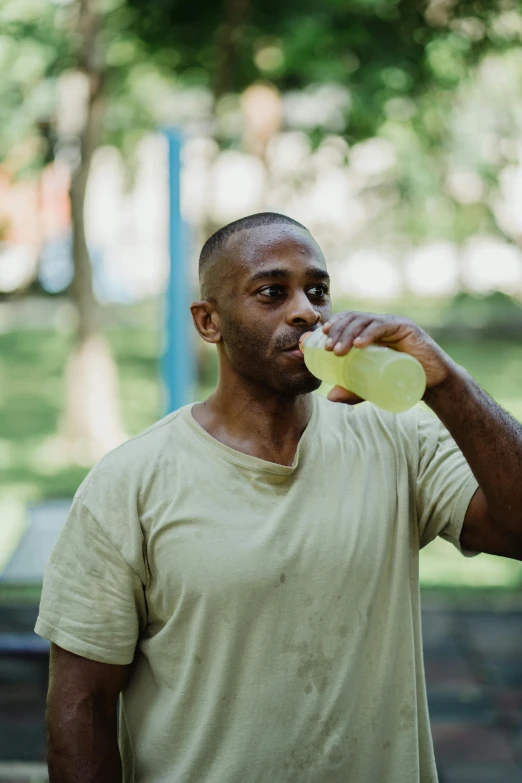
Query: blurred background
{"points": [[391, 129]]}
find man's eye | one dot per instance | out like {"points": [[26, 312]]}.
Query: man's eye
{"points": [[321, 290], [272, 291]]}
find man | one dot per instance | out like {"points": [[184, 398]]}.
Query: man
{"points": [[245, 572]]}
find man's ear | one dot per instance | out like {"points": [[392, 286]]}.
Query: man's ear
{"points": [[206, 320]]}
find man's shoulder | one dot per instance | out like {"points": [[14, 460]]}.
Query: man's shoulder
{"points": [[133, 459]]}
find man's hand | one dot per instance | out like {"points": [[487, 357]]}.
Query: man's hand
{"points": [[353, 329]]}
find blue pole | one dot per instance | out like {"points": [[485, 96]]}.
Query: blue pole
{"points": [[178, 365]]}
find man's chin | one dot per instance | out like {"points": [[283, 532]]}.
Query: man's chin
{"points": [[304, 385]]}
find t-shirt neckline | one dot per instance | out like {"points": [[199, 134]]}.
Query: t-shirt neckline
{"points": [[247, 460]]}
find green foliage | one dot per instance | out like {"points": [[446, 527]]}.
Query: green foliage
{"points": [[424, 77], [37, 46], [496, 311], [381, 50], [30, 54], [411, 70]]}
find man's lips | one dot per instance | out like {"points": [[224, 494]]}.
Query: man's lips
{"points": [[295, 351]]}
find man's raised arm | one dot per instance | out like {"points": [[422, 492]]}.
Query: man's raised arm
{"points": [[488, 437], [81, 719]]}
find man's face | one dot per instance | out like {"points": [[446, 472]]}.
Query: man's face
{"points": [[277, 289]]}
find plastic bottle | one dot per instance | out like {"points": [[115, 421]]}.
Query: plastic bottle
{"points": [[392, 380]]}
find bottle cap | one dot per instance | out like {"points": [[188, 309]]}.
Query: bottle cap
{"points": [[303, 338]]}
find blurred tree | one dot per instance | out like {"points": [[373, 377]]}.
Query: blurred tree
{"points": [[406, 66], [66, 89], [91, 423], [382, 49]]}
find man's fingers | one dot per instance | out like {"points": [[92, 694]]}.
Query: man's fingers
{"points": [[338, 394], [375, 331], [336, 327], [350, 328], [343, 333], [345, 339]]}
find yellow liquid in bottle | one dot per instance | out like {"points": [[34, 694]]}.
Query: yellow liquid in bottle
{"points": [[390, 379]]}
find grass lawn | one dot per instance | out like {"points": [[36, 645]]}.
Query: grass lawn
{"points": [[31, 394]]}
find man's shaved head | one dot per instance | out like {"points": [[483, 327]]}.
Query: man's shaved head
{"points": [[213, 257]]}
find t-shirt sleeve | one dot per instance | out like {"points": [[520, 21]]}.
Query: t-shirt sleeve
{"points": [[92, 600], [445, 483]]}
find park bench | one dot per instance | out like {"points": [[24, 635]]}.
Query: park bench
{"points": [[22, 577]]}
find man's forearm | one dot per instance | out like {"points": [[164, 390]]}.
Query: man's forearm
{"points": [[490, 440], [82, 744]]}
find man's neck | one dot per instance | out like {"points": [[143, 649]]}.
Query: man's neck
{"points": [[258, 422]]}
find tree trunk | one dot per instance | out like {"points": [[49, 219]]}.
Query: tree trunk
{"points": [[91, 423], [228, 34]]}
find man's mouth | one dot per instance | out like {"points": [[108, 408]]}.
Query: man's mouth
{"points": [[294, 350]]}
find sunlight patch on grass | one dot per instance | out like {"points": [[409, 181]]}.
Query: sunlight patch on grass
{"points": [[441, 565]]}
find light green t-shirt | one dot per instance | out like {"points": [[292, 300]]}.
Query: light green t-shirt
{"points": [[272, 611]]}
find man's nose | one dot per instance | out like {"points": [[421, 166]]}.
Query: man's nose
{"points": [[302, 311]]}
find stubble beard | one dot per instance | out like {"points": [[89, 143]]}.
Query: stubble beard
{"points": [[247, 354]]}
